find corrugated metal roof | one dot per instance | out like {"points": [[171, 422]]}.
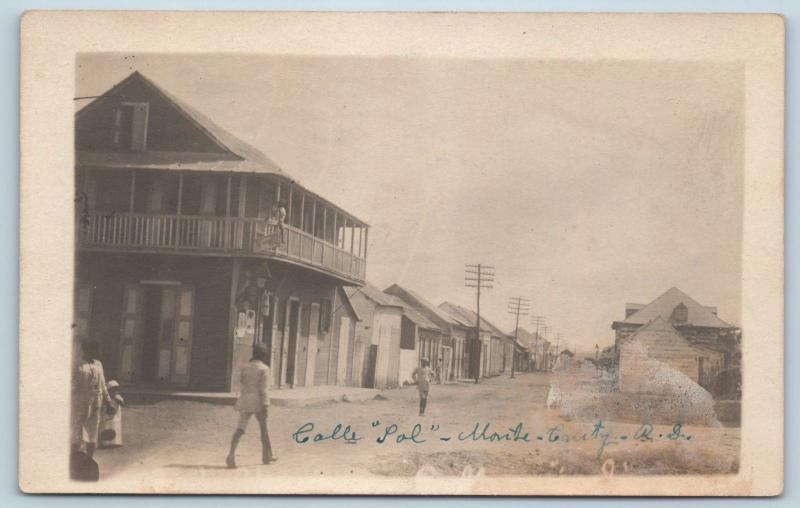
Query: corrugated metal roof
{"points": [[242, 157], [386, 300], [419, 302], [470, 318]]}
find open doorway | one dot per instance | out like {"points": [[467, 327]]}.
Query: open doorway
{"points": [[158, 332], [294, 322]]}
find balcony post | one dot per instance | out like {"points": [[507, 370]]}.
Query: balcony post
{"points": [[227, 228], [303, 211], [352, 236], [335, 230], [352, 240], [289, 211], [314, 218], [133, 190]]}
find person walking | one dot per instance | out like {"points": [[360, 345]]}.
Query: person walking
{"points": [[88, 396], [253, 401], [422, 376]]}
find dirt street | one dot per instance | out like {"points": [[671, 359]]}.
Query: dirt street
{"points": [[187, 439]]}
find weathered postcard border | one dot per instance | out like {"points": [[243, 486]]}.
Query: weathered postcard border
{"points": [[50, 41]]}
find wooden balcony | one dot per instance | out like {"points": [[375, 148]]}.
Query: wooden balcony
{"points": [[229, 236]]}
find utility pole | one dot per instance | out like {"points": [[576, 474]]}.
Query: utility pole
{"points": [[478, 277], [520, 307], [547, 336], [538, 321]]}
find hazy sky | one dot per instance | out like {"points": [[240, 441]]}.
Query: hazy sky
{"points": [[587, 185]]}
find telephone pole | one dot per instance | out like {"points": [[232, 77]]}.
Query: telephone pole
{"points": [[520, 307], [478, 277], [547, 335], [537, 321]]}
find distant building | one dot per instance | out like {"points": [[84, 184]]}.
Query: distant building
{"points": [[393, 336], [444, 347], [693, 337], [493, 344], [564, 359]]}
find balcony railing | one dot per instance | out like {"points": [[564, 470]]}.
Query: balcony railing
{"points": [[223, 235]]}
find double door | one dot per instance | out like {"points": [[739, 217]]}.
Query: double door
{"points": [[156, 335]]}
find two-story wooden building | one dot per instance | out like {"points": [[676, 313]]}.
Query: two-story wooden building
{"points": [[191, 246]]}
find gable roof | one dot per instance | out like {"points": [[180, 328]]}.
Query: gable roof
{"points": [[379, 298], [663, 306], [420, 304], [470, 318], [349, 303], [236, 156], [658, 326]]}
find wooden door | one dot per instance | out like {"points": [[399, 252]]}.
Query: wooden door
{"points": [[81, 320], [344, 339], [166, 333], [313, 331], [370, 365], [291, 347], [446, 357], [302, 347], [182, 344], [130, 334]]}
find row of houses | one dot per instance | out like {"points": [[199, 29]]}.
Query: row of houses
{"points": [[191, 246], [397, 328]]}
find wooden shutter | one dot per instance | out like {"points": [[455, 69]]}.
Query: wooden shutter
{"points": [[182, 345], [83, 311], [139, 127], [313, 331], [130, 334], [344, 338], [166, 332]]}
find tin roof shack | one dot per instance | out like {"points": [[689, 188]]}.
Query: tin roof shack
{"points": [[492, 341], [191, 246], [524, 356], [714, 342], [381, 330], [449, 346]]}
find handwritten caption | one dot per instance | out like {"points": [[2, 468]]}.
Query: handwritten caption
{"points": [[392, 433]]}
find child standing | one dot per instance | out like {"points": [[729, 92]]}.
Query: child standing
{"points": [[111, 426], [422, 376]]}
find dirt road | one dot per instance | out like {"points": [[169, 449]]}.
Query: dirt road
{"points": [[499, 427]]}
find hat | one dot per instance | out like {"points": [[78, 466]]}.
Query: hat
{"points": [[112, 384], [260, 352]]}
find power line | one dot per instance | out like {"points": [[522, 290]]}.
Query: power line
{"points": [[519, 307], [479, 277], [538, 321]]}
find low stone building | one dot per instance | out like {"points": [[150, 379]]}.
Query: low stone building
{"points": [[678, 331], [660, 341]]}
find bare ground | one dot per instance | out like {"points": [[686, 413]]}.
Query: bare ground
{"points": [[187, 439]]}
